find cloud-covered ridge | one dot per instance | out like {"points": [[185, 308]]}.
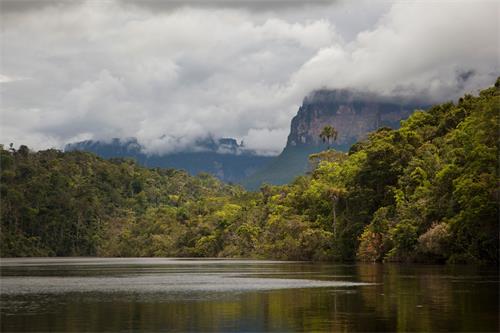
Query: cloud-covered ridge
{"points": [[106, 69]]}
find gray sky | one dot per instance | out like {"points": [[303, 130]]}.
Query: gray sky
{"points": [[171, 72]]}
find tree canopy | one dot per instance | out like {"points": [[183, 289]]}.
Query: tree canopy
{"points": [[328, 134], [427, 191]]}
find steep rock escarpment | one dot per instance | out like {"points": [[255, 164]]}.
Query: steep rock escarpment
{"points": [[352, 114]]}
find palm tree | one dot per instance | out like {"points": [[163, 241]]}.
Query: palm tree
{"points": [[335, 194], [328, 133]]}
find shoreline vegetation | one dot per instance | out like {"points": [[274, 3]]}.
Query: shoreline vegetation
{"points": [[426, 192]]}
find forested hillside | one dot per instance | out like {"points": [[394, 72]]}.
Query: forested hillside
{"points": [[425, 192], [223, 158], [354, 113]]}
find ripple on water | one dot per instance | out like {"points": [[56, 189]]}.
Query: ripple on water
{"points": [[157, 283]]}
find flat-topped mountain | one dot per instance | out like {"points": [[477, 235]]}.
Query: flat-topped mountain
{"points": [[352, 114]]}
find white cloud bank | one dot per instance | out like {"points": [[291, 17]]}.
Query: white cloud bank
{"points": [[102, 69]]}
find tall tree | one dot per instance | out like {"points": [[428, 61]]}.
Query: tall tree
{"points": [[328, 135]]}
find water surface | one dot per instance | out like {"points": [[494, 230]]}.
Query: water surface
{"points": [[146, 294]]}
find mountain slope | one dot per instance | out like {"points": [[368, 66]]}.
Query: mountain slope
{"points": [[427, 191], [223, 158], [353, 115]]}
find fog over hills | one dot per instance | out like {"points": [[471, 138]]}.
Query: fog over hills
{"points": [[169, 73], [223, 158], [352, 114]]}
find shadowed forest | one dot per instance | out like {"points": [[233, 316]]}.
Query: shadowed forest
{"points": [[427, 192]]}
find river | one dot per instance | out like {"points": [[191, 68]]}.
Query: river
{"points": [[201, 295]]}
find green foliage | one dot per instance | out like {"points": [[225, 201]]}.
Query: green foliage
{"points": [[425, 192], [328, 134], [436, 242], [446, 188]]}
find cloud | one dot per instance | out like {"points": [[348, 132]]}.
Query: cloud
{"points": [[8, 79], [267, 141], [19, 6], [249, 5], [423, 49], [171, 74]]}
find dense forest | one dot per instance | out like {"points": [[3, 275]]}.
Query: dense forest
{"points": [[427, 192]]}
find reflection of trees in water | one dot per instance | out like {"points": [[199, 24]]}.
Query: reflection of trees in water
{"points": [[424, 298], [285, 310], [404, 298]]}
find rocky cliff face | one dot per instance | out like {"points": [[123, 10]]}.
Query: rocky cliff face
{"points": [[353, 115]]}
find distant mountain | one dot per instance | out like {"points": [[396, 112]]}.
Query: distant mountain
{"points": [[223, 158], [353, 115]]}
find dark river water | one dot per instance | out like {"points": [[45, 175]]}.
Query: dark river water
{"points": [[145, 294]]}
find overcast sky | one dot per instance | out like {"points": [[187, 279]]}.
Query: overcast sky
{"points": [[171, 72]]}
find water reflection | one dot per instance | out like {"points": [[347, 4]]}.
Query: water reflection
{"points": [[185, 295]]}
